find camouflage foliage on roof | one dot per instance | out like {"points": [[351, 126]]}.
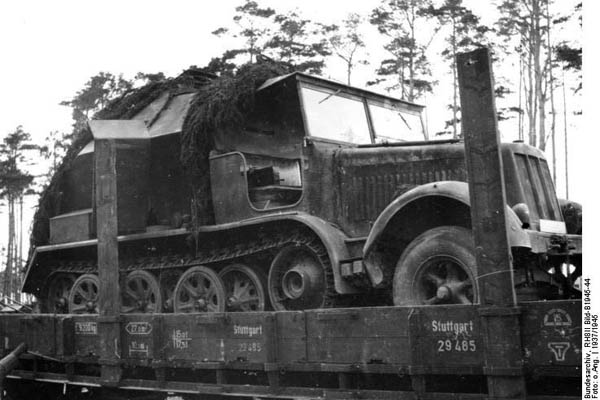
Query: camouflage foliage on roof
{"points": [[220, 102]]}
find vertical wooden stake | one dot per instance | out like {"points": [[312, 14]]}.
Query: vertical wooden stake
{"points": [[108, 260], [495, 279]]}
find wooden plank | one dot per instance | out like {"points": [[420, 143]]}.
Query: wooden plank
{"points": [[137, 337], [486, 179], [38, 332], [291, 336], [551, 333], [108, 259], [450, 337], [373, 335], [495, 279], [85, 336], [106, 220]]}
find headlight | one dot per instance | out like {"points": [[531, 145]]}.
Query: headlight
{"points": [[522, 212]]}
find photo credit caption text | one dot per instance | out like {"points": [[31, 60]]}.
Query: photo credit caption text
{"points": [[591, 358]]}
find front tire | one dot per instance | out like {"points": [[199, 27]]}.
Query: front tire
{"points": [[438, 267]]}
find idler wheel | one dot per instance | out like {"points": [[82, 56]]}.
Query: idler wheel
{"points": [[199, 289], [140, 293], [244, 289], [83, 297], [58, 290], [297, 280]]}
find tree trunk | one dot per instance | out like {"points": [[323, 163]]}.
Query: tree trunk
{"points": [[349, 68], [520, 97], [7, 269], [20, 248], [403, 89], [10, 249], [454, 82], [552, 106], [14, 253], [532, 109], [566, 141], [539, 75], [411, 64]]}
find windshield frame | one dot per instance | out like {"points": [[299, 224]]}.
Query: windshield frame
{"points": [[366, 98], [403, 111], [329, 93]]}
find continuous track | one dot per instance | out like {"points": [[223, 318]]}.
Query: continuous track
{"points": [[215, 257]]}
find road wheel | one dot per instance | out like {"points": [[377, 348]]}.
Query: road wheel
{"points": [[83, 298], [199, 289], [57, 293], [438, 267], [244, 289], [298, 280], [141, 293]]}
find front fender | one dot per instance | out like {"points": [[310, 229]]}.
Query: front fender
{"points": [[333, 239], [454, 190]]}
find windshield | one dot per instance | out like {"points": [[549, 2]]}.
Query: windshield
{"points": [[393, 125], [332, 115]]}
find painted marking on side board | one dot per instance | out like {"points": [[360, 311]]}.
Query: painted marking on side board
{"points": [[557, 318], [86, 328], [559, 349], [138, 348], [138, 328], [180, 339], [246, 330]]}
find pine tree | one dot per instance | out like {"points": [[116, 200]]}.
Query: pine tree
{"points": [[97, 92], [525, 24], [347, 43], [400, 21], [463, 33], [299, 42], [14, 182], [253, 25]]}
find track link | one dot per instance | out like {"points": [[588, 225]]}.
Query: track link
{"points": [[221, 255]]}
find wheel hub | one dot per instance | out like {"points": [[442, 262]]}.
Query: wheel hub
{"points": [[298, 279], [295, 282], [201, 304], [90, 306], [442, 280], [444, 293], [61, 303], [303, 281]]}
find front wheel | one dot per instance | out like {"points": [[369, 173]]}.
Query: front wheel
{"points": [[438, 267]]}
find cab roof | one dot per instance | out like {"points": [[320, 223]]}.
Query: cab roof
{"points": [[335, 85]]}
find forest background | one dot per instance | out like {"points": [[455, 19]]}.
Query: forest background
{"points": [[64, 60]]}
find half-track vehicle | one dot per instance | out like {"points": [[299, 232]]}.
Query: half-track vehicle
{"points": [[316, 196], [329, 196]]}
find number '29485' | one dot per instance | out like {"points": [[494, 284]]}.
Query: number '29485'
{"points": [[456, 345]]}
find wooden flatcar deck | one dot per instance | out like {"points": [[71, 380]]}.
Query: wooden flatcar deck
{"points": [[382, 352]]}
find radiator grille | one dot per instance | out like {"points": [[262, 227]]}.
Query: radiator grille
{"points": [[369, 194]]}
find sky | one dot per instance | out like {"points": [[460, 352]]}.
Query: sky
{"points": [[49, 49]]}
